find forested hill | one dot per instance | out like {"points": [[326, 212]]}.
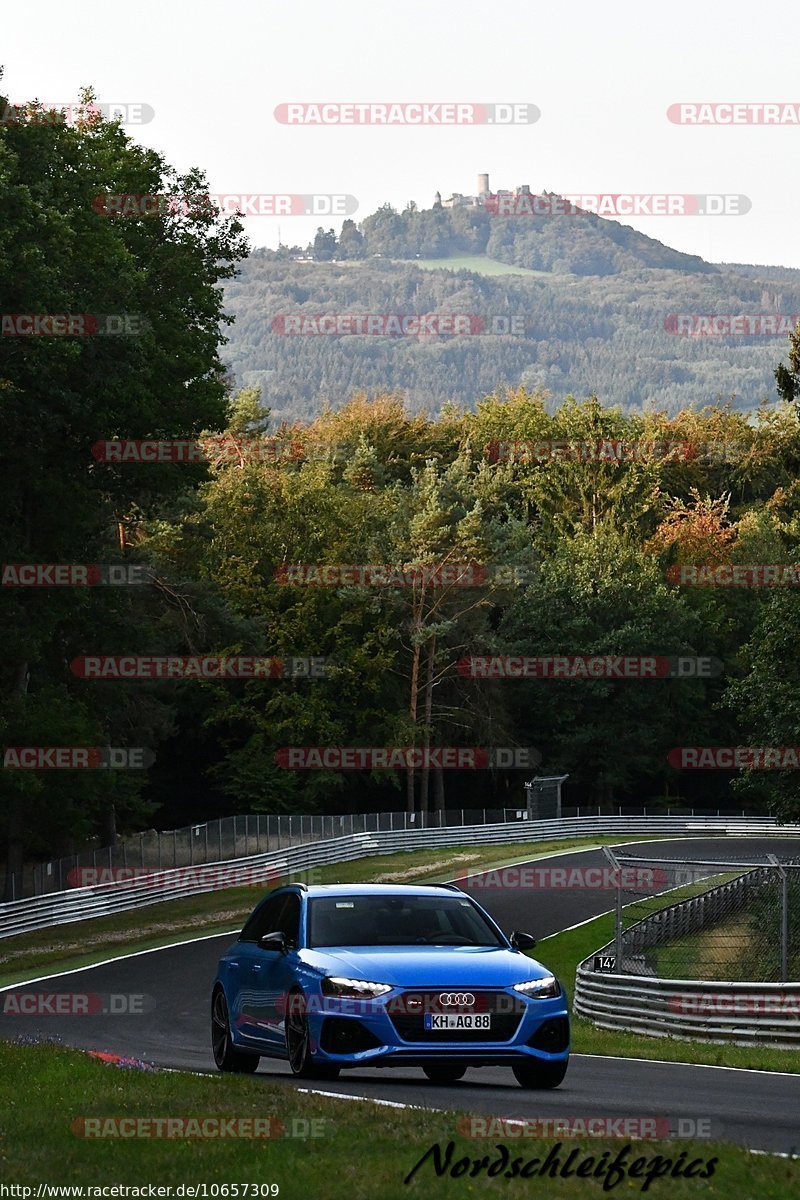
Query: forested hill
{"points": [[593, 304], [565, 242]]}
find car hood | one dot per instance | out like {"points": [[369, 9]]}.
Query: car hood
{"points": [[428, 966]]}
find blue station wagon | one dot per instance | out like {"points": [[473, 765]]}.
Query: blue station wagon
{"points": [[374, 975]]}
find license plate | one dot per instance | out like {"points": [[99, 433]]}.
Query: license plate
{"points": [[458, 1021]]}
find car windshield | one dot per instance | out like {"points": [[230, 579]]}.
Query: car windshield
{"points": [[398, 921]]}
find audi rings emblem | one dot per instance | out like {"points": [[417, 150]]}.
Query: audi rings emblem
{"points": [[450, 999]]}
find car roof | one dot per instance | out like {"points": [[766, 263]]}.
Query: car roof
{"points": [[380, 889]]}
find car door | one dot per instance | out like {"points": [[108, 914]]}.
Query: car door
{"points": [[268, 975], [250, 1015]]}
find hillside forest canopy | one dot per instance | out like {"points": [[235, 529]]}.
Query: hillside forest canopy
{"points": [[573, 304]]}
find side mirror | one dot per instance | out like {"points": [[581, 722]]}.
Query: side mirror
{"points": [[522, 941], [273, 941]]}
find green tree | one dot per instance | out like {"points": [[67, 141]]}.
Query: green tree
{"points": [[61, 253], [324, 245], [766, 701], [600, 594], [351, 241], [788, 378]]}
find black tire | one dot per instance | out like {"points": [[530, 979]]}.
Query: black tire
{"points": [[540, 1074], [445, 1072], [226, 1056], [298, 1049]]}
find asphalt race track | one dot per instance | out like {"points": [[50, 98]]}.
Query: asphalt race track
{"points": [[757, 1109]]}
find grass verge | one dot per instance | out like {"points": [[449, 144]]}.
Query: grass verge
{"points": [[722, 952], [363, 1151]]}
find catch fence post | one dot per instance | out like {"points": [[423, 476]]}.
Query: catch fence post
{"points": [[784, 874], [612, 858]]}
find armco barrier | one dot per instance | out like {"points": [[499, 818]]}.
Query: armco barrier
{"points": [[741, 1012], [737, 1013], [79, 904]]}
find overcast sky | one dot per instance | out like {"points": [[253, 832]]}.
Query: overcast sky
{"points": [[603, 77]]}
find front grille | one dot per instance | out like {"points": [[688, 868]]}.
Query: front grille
{"points": [[343, 1035], [407, 1014], [552, 1036]]}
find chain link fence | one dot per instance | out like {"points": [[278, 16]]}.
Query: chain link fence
{"points": [[692, 919], [238, 837]]}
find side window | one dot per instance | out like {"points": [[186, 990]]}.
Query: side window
{"points": [[289, 919], [264, 920]]}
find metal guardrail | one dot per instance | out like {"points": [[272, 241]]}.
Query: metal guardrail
{"points": [[630, 999], [738, 1013], [241, 836], [79, 904], [247, 834]]}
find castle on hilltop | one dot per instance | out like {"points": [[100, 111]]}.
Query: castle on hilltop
{"points": [[478, 201]]}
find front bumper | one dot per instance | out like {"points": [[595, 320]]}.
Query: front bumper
{"points": [[390, 1032]]}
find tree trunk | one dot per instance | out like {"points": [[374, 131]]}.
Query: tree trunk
{"points": [[412, 708], [15, 855], [108, 821], [423, 791], [438, 792]]}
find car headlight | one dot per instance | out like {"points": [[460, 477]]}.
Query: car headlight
{"points": [[539, 989], [353, 989]]}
